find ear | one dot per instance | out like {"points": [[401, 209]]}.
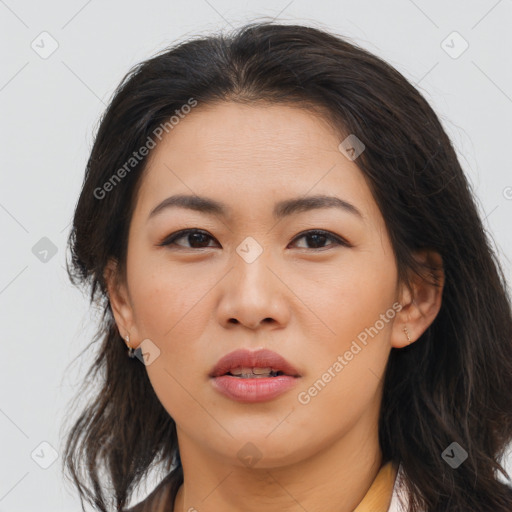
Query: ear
{"points": [[120, 302], [420, 302]]}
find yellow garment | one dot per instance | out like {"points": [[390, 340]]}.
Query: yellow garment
{"points": [[378, 497]]}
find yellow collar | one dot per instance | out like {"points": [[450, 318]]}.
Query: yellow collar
{"points": [[378, 497]]}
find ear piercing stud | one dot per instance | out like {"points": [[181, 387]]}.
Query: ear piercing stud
{"points": [[131, 351], [407, 334]]}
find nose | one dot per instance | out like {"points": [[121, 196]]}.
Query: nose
{"points": [[254, 294]]}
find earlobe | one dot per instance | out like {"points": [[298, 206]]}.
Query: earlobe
{"points": [[119, 300], [421, 302]]}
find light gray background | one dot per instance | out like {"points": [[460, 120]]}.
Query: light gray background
{"points": [[50, 110]]}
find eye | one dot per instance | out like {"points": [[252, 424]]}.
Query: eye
{"points": [[199, 239], [318, 238], [195, 237]]}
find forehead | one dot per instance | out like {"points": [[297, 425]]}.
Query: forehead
{"points": [[232, 131], [245, 154]]}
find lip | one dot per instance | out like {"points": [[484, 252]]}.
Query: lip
{"points": [[258, 389], [262, 358]]}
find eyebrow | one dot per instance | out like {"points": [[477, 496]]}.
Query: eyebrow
{"points": [[281, 209]]}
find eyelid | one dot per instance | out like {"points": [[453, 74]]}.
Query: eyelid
{"points": [[328, 234], [337, 239], [181, 233]]}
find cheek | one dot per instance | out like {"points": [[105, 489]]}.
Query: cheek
{"points": [[354, 294], [166, 297], [170, 308], [351, 345], [166, 314]]}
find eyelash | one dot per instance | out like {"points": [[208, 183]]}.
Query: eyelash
{"points": [[330, 236]]}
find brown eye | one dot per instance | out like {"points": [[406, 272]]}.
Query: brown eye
{"points": [[317, 238], [196, 238]]}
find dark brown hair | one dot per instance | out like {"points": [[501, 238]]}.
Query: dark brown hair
{"points": [[452, 385]]}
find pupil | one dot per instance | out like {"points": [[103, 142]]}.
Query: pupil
{"points": [[316, 236], [196, 238]]}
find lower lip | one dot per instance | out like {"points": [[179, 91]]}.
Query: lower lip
{"points": [[259, 389]]}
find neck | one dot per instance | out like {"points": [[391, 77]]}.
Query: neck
{"points": [[335, 478]]}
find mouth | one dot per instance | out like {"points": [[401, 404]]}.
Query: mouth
{"points": [[249, 377], [254, 373], [245, 364]]}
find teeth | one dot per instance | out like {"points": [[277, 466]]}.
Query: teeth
{"points": [[261, 371], [246, 372]]}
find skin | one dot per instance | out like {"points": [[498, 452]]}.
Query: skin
{"points": [[307, 302]]}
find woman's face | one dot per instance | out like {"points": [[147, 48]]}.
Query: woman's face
{"points": [[250, 279]]}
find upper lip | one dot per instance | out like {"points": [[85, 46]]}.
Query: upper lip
{"points": [[244, 358]]}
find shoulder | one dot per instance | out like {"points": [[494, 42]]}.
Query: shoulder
{"points": [[157, 500], [399, 498]]}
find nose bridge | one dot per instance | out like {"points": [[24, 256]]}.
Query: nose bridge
{"points": [[251, 261], [252, 293]]}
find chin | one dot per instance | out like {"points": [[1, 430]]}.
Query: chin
{"points": [[254, 450]]}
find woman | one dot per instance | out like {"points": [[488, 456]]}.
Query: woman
{"points": [[287, 249]]}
